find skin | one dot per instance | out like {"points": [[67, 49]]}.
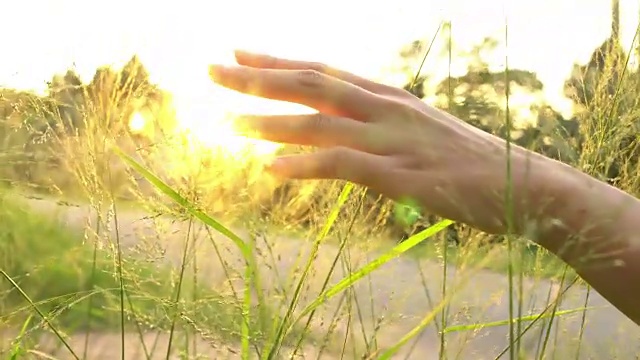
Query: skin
{"points": [[386, 139]]}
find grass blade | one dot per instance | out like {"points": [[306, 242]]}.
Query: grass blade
{"points": [[16, 349], [376, 263], [180, 200], [527, 318], [284, 324], [39, 312], [252, 274]]}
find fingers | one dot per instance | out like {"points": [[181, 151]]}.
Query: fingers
{"points": [[335, 163], [318, 130], [307, 87], [270, 62]]}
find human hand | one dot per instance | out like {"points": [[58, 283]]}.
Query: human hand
{"points": [[381, 137]]}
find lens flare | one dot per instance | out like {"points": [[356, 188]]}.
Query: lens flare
{"points": [[211, 126], [193, 133], [137, 123]]}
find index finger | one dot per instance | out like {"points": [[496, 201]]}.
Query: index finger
{"points": [[306, 87], [270, 62]]}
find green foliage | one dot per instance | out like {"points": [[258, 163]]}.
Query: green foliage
{"points": [[60, 273], [56, 142], [75, 284], [50, 264], [407, 213]]}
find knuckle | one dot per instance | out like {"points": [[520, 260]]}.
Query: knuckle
{"points": [[403, 93], [336, 163], [339, 153], [319, 67], [311, 78], [269, 62], [400, 110], [318, 122], [395, 92], [392, 106]]}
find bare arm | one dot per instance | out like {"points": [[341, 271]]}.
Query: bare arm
{"points": [[591, 225], [390, 141], [595, 228]]}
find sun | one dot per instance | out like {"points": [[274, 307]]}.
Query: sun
{"points": [[212, 128], [204, 112], [210, 124], [137, 123]]}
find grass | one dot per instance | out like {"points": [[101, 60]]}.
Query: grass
{"points": [[71, 284], [533, 261], [196, 284]]}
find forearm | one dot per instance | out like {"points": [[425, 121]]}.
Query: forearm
{"points": [[594, 227]]}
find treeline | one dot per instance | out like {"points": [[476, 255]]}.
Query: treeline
{"points": [[107, 101], [601, 138], [36, 131], [604, 92], [42, 135]]}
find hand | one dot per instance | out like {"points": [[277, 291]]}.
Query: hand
{"points": [[381, 137]]}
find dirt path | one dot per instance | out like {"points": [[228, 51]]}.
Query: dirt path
{"points": [[396, 292]]}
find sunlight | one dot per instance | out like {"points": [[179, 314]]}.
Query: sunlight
{"points": [[176, 42], [204, 111], [137, 123], [211, 126]]}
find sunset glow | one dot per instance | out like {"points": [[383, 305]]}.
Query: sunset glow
{"points": [[177, 41], [137, 123], [204, 111]]}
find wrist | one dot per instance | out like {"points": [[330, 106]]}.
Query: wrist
{"points": [[517, 203], [585, 216], [538, 189], [563, 205], [540, 182]]}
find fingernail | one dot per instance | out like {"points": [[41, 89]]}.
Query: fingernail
{"points": [[278, 166], [243, 126], [216, 71], [246, 53]]}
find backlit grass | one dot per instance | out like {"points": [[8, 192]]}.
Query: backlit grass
{"points": [[218, 258]]}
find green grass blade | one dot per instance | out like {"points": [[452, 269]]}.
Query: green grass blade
{"points": [[176, 301], [414, 332], [339, 253], [424, 58], [40, 313], [376, 263], [333, 216], [180, 200], [508, 197], [16, 349], [429, 317], [534, 321], [252, 274], [246, 314], [527, 318]]}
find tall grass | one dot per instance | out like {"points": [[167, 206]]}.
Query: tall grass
{"points": [[226, 262]]}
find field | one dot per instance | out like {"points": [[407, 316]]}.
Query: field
{"points": [[140, 243]]}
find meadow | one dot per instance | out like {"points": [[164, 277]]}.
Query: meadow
{"points": [[139, 242]]}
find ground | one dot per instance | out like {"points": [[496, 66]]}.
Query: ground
{"points": [[393, 300]]}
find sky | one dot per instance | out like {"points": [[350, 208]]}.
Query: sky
{"points": [[176, 40]]}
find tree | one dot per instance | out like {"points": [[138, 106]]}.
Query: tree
{"points": [[605, 92], [67, 93], [411, 53], [114, 96], [479, 97], [598, 79], [134, 79]]}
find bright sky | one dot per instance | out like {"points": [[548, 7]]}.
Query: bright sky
{"points": [[177, 39]]}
